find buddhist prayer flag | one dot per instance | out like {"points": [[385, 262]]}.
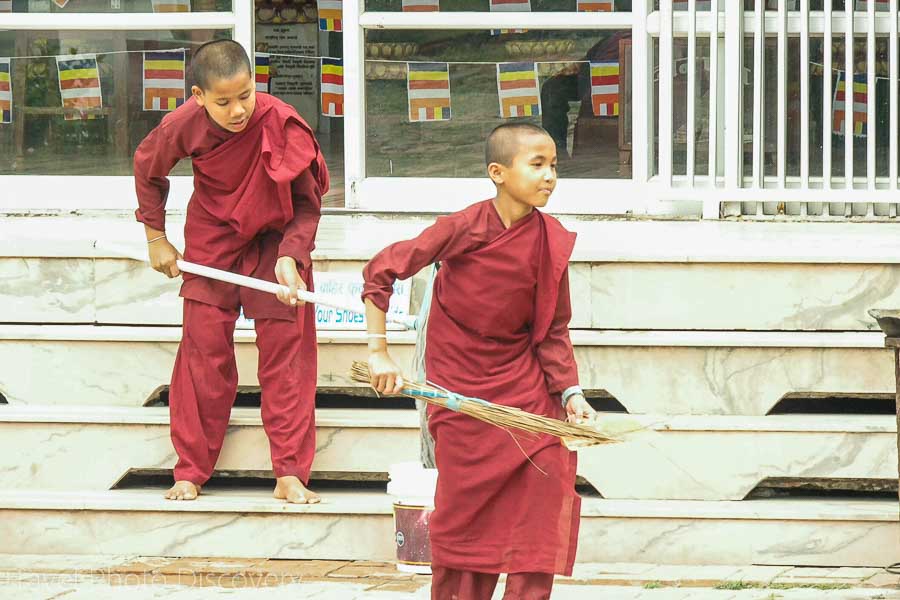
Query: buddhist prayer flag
{"points": [[428, 90], [595, 6], [859, 102], [5, 91], [517, 86], [421, 6], [332, 87], [510, 5], [79, 85], [5, 6], [61, 3], [505, 31], [262, 72], [163, 80], [605, 88], [170, 6], [331, 13]]}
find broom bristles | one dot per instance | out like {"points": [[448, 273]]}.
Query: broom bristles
{"points": [[506, 417]]}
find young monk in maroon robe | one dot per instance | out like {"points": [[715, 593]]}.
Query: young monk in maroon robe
{"points": [[497, 330], [258, 182]]}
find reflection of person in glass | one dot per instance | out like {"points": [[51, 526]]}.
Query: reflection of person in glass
{"points": [[498, 330], [594, 136], [258, 183]]}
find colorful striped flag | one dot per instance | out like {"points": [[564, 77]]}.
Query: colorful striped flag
{"points": [[510, 5], [262, 72], [5, 91], [79, 85], [517, 86], [505, 31], [428, 90], [880, 5], [421, 5], [170, 6], [61, 3], [331, 13], [5, 6], [605, 88], [333, 87], [163, 80], [860, 108], [595, 6]]}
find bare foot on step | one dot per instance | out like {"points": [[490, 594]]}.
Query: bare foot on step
{"points": [[292, 490], [183, 490]]}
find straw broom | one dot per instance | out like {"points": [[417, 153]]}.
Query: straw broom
{"points": [[505, 417]]}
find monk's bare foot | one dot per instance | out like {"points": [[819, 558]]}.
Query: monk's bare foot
{"points": [[183, 490], [291, 489]]}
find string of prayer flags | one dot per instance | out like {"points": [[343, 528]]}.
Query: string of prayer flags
{"points": [[5, 91], [171, 6], [594, 6], [163, 80], [261, 73], [428, 90], [605, 88], [421, 6], [5, 6], [510, 5], [860, 102], [333, 87], [331, 13], [517, 87], [79, 85], [505, 31]]}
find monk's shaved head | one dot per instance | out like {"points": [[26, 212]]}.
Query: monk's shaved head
{"points": [[219, 59], [504, 142]]}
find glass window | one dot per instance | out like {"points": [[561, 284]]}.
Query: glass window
{"points": [[45, 138], [499, 5], [116, 6], [590, 123], [293, 42]]}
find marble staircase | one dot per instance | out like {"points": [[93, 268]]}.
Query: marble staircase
{"points": [[701, 330]]}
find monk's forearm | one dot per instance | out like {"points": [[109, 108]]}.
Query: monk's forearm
{"points": [[376, 327], [153, 234]]}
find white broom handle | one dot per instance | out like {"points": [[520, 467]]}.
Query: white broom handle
{"points": [[270, 287]]}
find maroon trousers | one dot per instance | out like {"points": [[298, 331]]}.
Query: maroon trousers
{"points": [[204, 384], [454, 584]]}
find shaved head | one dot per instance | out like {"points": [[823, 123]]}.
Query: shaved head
{"points": [[504, 142], [219, 59]]}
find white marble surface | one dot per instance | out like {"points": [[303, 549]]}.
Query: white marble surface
{"points": [[729, 380], [87, 450], [123, 373], [751, 296], [725, 458], [359, 526], [47, 291]]}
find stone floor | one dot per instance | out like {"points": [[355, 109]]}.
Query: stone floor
{"points": [[100, 577]]}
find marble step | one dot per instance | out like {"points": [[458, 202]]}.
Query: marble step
{"points": [[625, 274], [94, 448], [725, 458], [648, 372], [55, 448], [352, 525]]}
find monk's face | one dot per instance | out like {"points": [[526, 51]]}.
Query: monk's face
{"points": [[531, 176], [229, 102]]}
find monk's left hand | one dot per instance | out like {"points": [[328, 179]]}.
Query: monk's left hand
{"points": [[287, 275], [578, 410]]}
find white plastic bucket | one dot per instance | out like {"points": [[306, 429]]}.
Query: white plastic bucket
{"points": [[412, 487]]}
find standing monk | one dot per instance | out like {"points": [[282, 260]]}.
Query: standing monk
{"points": [[498, 330], [258, 184]]}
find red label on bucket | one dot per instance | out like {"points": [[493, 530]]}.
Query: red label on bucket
{"points": [[411, 525]]}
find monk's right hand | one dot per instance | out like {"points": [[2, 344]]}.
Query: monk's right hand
{"points": [[163, 256], [384, 373]]}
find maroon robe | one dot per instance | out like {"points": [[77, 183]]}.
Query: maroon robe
{"points": [[257, 196], [497, 330]]}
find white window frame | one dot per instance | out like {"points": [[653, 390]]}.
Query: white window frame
{"points": [[40, 192]]}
